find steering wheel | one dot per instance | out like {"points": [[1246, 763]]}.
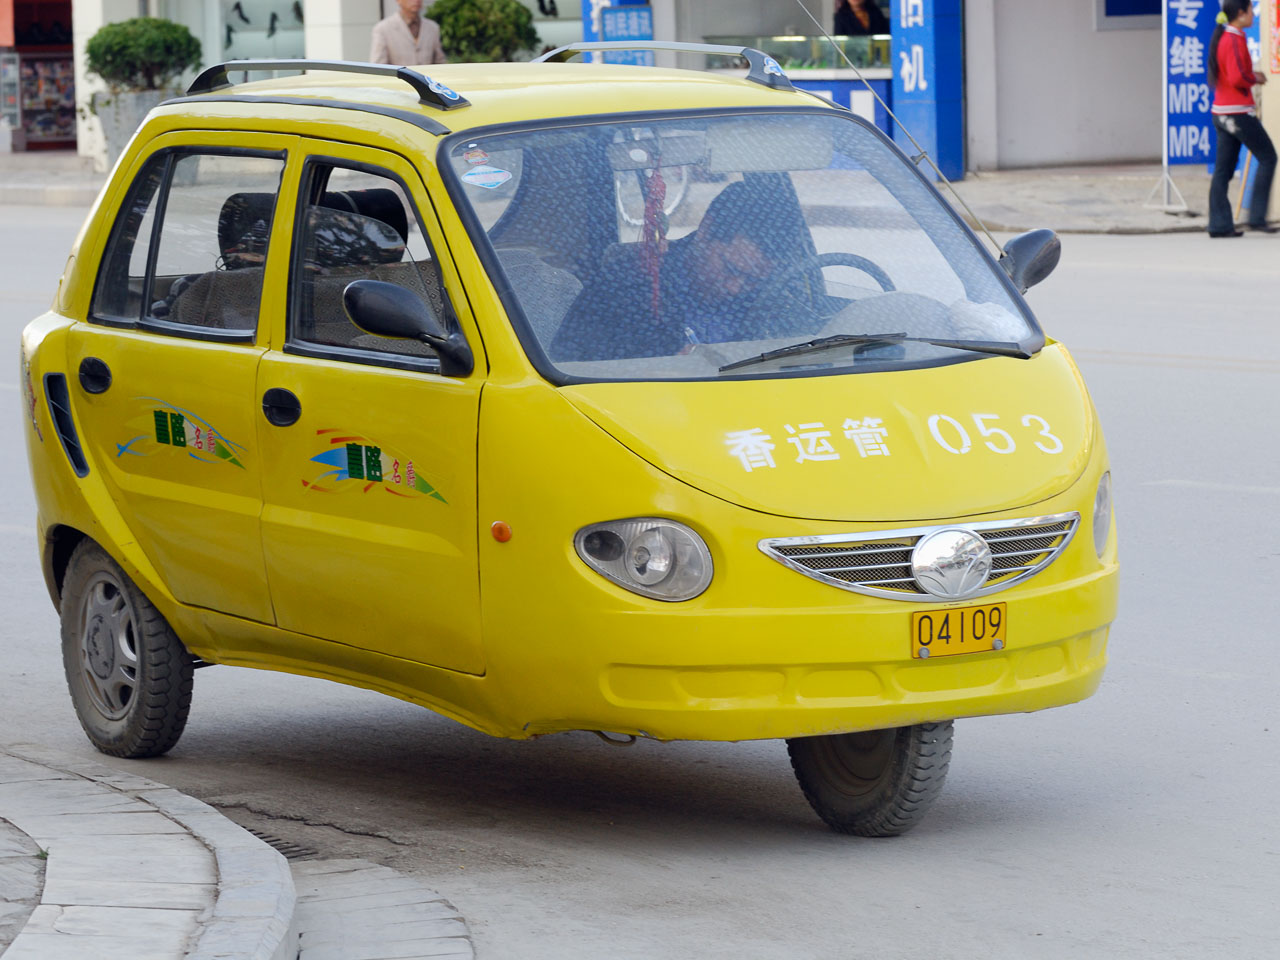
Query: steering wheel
{"points": [[818, 261], [775, 287]]}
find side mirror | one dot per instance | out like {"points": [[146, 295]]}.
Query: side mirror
{"points": [[1030, 257], [390, 310]]}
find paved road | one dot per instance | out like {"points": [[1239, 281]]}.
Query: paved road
{"points": [[1136, 824]]}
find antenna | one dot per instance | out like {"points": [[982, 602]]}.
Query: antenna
{"points": [[921, 153]]}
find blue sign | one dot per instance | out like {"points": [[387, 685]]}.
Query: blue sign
{"points": [[1189, 128], [592, 9], [630, 22], [1189, 26], [928, 81]]}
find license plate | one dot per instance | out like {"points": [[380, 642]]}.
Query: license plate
{"points": [[945, 633]]}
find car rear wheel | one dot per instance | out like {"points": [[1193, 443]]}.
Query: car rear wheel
{"points": [[129, 675], [873, 784]]}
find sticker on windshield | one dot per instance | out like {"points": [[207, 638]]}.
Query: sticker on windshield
{"points": [[166, 428], [355, 462], [474, 155], [486, 176]]}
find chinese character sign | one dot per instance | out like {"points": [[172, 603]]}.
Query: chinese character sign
{"points": [[1189, 26], [630, 22], [1188, 29], [928, 79]]}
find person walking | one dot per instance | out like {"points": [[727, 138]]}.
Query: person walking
{"points": [[1235, 117], [406, 39]]}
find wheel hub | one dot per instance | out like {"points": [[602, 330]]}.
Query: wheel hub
{"points": [[99, 648]]}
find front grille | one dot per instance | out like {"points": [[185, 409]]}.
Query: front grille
{"points": [[878, 563]]}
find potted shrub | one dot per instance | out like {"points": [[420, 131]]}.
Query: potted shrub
{"points": [[138, 60], [483, 31]]}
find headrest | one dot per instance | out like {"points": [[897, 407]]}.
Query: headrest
{"points": [[244, 226], [340, 239], [380, 203]]}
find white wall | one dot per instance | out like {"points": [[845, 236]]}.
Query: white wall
{"points": [[86, 17], [1044, 88], [342, 29]]}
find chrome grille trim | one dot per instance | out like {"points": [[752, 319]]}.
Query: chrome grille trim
{"points": [[1019, 550]]}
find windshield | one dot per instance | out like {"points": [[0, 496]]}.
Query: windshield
{"points": [[752, 244]]}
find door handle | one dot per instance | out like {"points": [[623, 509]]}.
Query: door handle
{"points": [[95, 375], [281, 407]]}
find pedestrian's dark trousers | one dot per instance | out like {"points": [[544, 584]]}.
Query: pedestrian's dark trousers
{"points": [[1235, 129]]}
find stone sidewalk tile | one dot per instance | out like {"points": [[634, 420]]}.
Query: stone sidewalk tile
{"points": [[21, 879], [16, 770], [38, 797], [109, 921], [125, 851], [43, 828], [356, 910], [104, 933], [96, 892]]}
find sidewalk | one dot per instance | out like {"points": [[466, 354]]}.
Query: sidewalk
{"points": [[103, 864], [1098, 199]]}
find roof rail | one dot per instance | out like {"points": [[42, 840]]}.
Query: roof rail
{"points": [[431, 92], [764, 69]]}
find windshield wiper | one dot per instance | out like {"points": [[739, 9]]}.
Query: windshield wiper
{"points": [[845, 339]]}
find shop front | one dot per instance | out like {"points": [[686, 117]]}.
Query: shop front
{"points": [[37, 77]]}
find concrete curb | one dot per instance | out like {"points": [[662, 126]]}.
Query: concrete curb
{"points": [[35, 195], [253, 916], [225, 894]]}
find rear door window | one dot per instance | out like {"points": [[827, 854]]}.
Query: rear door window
{"points": [[187, 252]]}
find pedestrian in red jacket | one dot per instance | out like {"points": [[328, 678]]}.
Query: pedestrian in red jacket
{"points": [[1235, 116]]}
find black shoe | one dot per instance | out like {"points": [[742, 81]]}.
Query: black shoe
{"points": [[1226, 233], [1263, 228], [271, 25], [239, 12]]}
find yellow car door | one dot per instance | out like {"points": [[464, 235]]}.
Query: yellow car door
{"points": [[164, 371], [369, 452]]}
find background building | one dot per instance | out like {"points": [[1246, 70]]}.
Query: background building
{"points": [[1025, 82]]}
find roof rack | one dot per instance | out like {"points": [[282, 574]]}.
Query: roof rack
{"points": [[431, 92], [764, 69]]}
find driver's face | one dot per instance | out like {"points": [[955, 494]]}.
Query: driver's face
{"points": [[731, 268]]}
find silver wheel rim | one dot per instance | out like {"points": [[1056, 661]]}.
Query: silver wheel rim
{"points": [[108, 647]]}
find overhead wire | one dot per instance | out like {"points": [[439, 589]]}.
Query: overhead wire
{"points": [[921, 153]]}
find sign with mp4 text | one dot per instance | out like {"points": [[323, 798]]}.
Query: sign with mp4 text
{"points": [[1189, 26]]}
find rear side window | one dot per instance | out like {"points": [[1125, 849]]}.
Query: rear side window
{"points": [[188, 249]]}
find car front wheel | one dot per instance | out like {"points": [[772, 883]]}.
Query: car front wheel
{"points": [[878, 783], [129, 675]]}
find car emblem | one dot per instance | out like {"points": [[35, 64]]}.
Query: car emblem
{"points": [[951, 563]]}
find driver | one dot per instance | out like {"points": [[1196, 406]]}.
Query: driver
{"points": [[708, 281]]}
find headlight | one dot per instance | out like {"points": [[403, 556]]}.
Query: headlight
{"points": [[1102, 513], [661, 559]]}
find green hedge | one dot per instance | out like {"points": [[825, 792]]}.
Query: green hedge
{"points": [[144, 53], [483, 31]]}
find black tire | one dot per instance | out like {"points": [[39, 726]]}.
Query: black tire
{"points": [[129, 676], [873, 784]]}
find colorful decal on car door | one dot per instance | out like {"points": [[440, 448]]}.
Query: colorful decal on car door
{"points": [[366, 464], [165, 427]]}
